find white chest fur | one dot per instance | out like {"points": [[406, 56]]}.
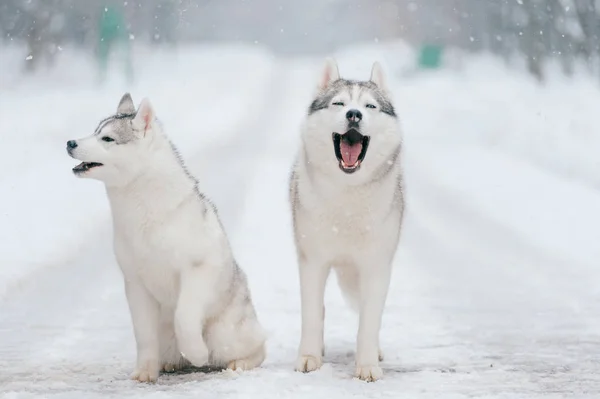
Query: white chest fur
{"points": [[148, 256], [339, 223], [154, 243]]}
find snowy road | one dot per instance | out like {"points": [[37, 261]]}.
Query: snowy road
{"points": [[494, 293]]}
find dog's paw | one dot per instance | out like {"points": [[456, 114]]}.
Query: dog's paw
{"points": [[145, 374], [173, 362], [248, 363], [240, 365], [171, 367], [197, 355], [308, 363], [368, 373]]}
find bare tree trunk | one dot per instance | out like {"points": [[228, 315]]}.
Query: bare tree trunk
{"points": [[560, 38], [533, 44], [508, 36], [588, 20]]}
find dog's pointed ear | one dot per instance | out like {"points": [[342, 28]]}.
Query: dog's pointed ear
{"points": [[126, 105], [329, 74], [378, 76], [144, 119]]}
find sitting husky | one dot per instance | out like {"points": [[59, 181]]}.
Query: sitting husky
{"points": [[189, 300], [347, 203]]}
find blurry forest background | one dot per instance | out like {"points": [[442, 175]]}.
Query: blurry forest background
{"points": [[533, 31]]}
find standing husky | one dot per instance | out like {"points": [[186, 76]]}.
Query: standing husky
{"points": [[347, 205], [189, 300]]}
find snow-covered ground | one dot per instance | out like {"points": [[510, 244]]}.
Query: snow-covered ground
{"points": [[495, 291]]}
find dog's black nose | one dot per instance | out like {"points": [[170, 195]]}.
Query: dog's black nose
{"points": [[71, 144], [354, 115]]}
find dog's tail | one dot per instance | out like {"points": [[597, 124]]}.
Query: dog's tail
{"points": [[348, 281]]}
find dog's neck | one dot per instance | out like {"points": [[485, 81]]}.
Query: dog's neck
{"points": [[162, 187], [329, 178], [371, 187]]}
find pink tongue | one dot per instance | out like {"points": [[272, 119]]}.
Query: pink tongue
{"points": [[350, 153]]}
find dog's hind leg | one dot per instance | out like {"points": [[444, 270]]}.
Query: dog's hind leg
{"points": [[323, 339], [236, 339]]}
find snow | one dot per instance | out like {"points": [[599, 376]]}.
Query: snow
{"points": [[558, 216], [48, 208], [554, 126], [494, 292]]}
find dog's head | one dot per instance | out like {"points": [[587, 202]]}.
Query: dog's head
{"points": [[117, 150], [351, 123]]}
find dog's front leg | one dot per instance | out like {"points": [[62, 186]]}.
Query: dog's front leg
{"points": [[170, 357], [313, 278], [145, 313], [374, 286], [190, 314]]}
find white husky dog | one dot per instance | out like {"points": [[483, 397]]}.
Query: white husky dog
{"points": [[347, 201], [189, 301]]}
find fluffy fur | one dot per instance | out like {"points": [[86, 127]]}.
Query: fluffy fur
{"points": [[189, 301], [347, 217]]}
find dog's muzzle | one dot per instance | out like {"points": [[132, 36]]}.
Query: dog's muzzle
{"points": [[71, 145], [350, 149], [84, 166]]}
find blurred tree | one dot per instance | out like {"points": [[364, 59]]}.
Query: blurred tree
{"points": [[45, 22], [536, 31], [532, 42], [165, 22]]}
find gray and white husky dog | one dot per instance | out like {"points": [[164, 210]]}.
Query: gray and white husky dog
{"points": [[189, 301], [346, 193]]}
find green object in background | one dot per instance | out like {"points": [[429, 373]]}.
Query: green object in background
{"points": [[113, 31], [430, 56]]}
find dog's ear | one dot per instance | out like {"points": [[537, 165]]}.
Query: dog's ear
{"points": [[329, 74], [144, 119], [378, 76], [126, 105]]}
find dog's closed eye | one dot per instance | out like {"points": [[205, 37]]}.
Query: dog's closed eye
{"points": [[107, 139]]}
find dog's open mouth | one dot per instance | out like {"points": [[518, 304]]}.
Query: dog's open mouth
{"points": [[85, 166], [350, 149]]}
